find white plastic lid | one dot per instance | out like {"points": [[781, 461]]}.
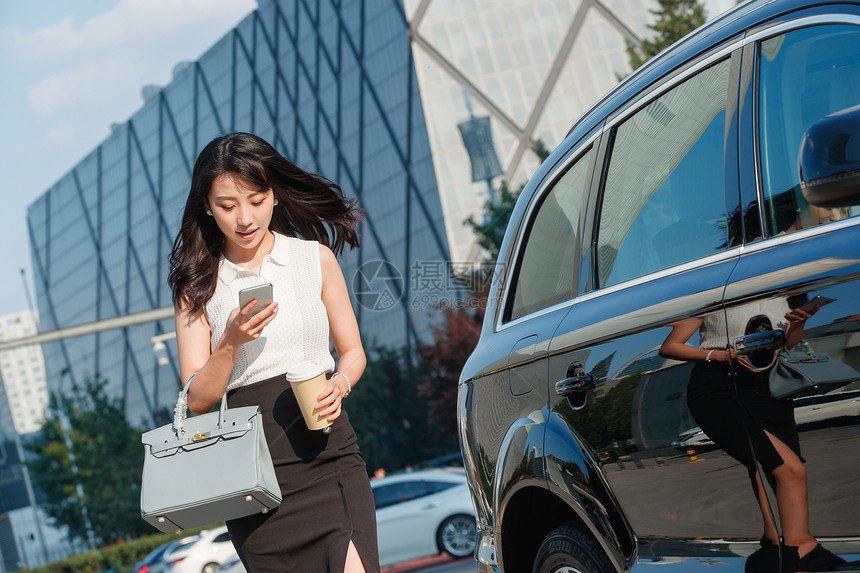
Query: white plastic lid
{"points": [[304, 371]]}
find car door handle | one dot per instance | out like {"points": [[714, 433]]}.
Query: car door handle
{"points": [[759, 341], [430, 506], [581, 383]]}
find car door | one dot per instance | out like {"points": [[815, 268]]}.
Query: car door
{"points": [[405, 519], [662, 248], [798, 254]]}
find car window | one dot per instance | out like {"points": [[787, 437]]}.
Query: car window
{"points": [[386, 495], [804, 75], [437, 486], [664, 197], [221, 538], [545, 274]]}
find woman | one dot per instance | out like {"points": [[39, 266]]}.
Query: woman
{"points": [[723, 409], [253, 217]]}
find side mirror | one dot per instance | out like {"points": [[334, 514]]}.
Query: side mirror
{"points": [[830, 160]]}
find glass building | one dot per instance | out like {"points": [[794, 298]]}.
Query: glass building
{"points": [[368, 93], [335, 90]]}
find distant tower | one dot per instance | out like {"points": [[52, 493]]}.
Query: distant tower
{"points": [[478, 140]]}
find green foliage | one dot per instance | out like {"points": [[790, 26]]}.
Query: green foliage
{"points": [[389, 415], [675, 19], [456, 335], [490, 228], [454, 338], [109, 459], [119, 557]]}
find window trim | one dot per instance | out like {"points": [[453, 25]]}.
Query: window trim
{"points": [[577, 152], [601, 188], [755, 40], [803, 234], [731, 253], [591, 212], [722, 53]]}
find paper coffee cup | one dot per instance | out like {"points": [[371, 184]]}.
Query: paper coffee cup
{"points": [[307, 379]]}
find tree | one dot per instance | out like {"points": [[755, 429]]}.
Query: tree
{"points": [[490, 228], [453, 340], [456, 335], [390, 416], [108, 459], [675, 19]]}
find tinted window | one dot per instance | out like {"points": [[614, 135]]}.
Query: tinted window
{"points": [[664, 197], [548, 260], [386, 495], [437, 486], [804, 75]]}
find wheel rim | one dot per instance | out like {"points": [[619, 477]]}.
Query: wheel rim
{"points": [[458, 536], [566, 569], [210, 568]]}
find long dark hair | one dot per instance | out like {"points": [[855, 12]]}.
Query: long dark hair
{"points": [[309, 206]]}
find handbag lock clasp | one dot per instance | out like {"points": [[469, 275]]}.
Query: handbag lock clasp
{"points": [[199, 437]]}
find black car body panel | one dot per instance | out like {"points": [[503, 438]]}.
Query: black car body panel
{"points": [[692, 161]]}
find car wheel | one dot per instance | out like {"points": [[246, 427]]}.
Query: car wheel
{"points": [[457, 535], [209, 568], [569, 549]]}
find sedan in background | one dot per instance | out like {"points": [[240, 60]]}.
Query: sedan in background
{"points": [[204, 555], [232, 565], [423, 513], [155, 562]]}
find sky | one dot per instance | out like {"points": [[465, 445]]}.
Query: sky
{"points": [[68, 70]]}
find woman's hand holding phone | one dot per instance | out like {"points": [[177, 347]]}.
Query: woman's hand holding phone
{"points": [[256, 310]]}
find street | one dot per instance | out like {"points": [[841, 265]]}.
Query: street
{"points": [[434, 564]]}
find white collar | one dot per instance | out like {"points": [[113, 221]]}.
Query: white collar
{"points": [[227, 271]]}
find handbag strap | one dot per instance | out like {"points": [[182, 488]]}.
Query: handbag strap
{"points": [[776, 356], [180, 411]]}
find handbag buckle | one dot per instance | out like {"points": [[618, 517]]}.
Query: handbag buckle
{"points": [[199, 437]]}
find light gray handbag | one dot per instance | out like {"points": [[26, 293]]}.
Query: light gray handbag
{"points": [[801, 373], [207, 468]]}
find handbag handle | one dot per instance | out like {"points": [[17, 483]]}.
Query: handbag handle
{"points": [[180, 411]]}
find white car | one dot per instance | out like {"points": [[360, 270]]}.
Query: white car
{"points": [[232, 565], [423, 513], [839, 404], [203, 555], [693, 439], [155, 561]]}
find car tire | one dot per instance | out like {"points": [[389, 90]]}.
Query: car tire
{"points": [[569, 549], [209, 568], [457, 535]]}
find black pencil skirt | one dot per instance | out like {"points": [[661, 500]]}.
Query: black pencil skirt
{"points": [[327, 500], [736, 416]]}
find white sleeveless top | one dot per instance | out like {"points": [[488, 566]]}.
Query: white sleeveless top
{"points": [[719, 329], [299, 331]]}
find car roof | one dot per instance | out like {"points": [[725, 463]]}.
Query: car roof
{"points": [[729, 24]]}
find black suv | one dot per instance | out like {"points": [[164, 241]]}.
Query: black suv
{"points": [[689, 249]]}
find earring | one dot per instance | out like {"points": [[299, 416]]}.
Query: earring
{"points": [[208, 212], [276, 201]]}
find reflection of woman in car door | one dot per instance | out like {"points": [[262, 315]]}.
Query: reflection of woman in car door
{"points": [[735, 415]]}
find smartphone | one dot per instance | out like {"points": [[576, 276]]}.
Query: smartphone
{"points": [[263, 294], [817, 301]]}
